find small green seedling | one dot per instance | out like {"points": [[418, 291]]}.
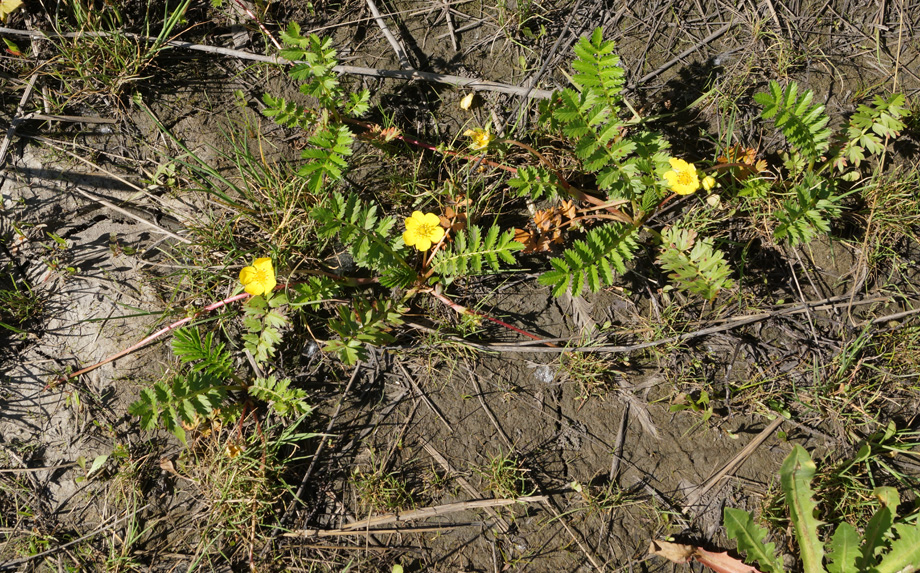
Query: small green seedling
{"points": [[94, 467]]}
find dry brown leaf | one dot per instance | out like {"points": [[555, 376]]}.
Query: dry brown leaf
{"points": [[674, 552], [167, 466], [533, 241], [567, 209], [390, 133], [718, 562], [722, 562]]}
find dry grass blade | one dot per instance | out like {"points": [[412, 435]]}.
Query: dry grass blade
{"points": [[439, 510], [694, 496]]}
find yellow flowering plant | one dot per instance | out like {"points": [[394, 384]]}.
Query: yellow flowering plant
{"points": [[682, 178], [708, 183], [259, 278], [200, 394], [480, 138], [264, 314], [423, 230]]}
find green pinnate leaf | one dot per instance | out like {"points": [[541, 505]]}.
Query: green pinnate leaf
{"points": [[201, 352], [473, 254], [590, 263], [693, 265], [366, 322], [804, 125], [365, 234], [279, 394], [535, 183]]}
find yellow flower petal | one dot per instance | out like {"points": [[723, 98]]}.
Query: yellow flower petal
{"points": [[682, 179], [709, 182], [481, 138], [233, 450], [423, 230], [259, 278], [467, 101], [7, 7]]}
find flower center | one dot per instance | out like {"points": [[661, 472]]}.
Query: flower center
{"points": [[684, 178], [424, 230], [261, 277]]}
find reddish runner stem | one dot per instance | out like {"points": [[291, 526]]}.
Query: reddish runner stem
{"points": [[463, 310], [151, 338]]}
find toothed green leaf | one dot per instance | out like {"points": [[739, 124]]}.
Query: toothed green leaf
{"points": [[844, 549], [741, 527], [795, 476], [904, 555]]}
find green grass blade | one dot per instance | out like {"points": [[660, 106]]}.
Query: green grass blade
{"points": [[795, 477], [741, 527]]}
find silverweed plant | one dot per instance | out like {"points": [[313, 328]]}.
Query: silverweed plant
{"points": [[632, 168], [199, 391], [630, 174]]}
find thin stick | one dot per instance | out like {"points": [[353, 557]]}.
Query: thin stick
{"points": [[8, 138], [488, 411], [400, 52], [127, 213], [408, 75], [798, 288], [779, 27], [424, 397], [534, 79], [618, 445], [29, 470], [395, 530], [730, 324], [259, 22], [502, 524], [886, 318], [322, 444], [69, 118], [667, 65], [453, 33], [438, 510], [557, 515]]}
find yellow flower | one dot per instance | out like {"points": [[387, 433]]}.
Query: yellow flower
{"points": [[467, 100], [682, 178], [709, 182], [259, 278], [481, 138], [7, 7], [423, 230], [233, 450]]}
